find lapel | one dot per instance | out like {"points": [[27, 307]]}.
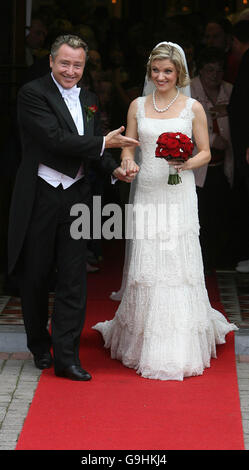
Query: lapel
{"points": [[59, 104], [84, 101]]}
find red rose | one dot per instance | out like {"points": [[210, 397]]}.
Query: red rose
{"points": [[162, 152], [183, 138], [163, 138], [168, 139], [90, 111], [93, 108], [187, 149], [186, 145]]}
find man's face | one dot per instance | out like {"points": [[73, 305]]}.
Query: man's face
{"points": [[37, 35], [215, 36], [68, 65]]}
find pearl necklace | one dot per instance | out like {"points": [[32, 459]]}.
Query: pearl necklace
{"points": [[168, 105]]}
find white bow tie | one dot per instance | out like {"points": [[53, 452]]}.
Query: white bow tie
{"points": [[72, 94]]}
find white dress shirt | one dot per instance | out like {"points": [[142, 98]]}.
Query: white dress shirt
{"points": [[54, 177]]}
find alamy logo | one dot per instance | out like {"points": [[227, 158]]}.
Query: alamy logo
{"points": [[141, 222]]}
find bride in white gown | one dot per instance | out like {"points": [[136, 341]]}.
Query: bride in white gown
{"points": [[165, 327]]}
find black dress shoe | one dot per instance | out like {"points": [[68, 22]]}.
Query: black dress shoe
{"points": [[74, 372], [43, 361]]}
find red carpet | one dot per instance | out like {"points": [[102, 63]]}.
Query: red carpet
{"points": [[118, 409]]}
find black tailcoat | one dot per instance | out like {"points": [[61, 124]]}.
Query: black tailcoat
{"points": [[49, 136], [238, 116]]}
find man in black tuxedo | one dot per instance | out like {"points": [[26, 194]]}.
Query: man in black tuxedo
{"points": [[239, 128], [239, 101], [61, 136]]}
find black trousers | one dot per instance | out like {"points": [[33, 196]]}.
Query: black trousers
{"points": [[215, 215], [49, 245], [240, 205]]}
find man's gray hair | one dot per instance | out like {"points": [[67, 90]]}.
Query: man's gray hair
{"points": [[71, 40]]}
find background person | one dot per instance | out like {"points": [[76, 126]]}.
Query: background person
{"points": [[215, 180], [239, 124]]}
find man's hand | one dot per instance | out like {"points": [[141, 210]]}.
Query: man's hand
{"points": [[115, 139], [123, 175]]}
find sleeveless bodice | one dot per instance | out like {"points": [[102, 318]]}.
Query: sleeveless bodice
{"points": [[155, 170], [179, 201]]}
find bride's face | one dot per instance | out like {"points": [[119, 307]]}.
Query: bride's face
{"points": [[164, 74]]}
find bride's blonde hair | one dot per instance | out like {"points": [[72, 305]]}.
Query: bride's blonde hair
{"points": [[166, 51]]}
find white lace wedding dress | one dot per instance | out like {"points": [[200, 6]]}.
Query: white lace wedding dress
{"points": [[165, 327]]}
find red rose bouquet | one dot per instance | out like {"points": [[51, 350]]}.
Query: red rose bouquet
{"points": [[174, 146]]}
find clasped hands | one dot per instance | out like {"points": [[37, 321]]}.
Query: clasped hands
{"points": [[128, 169]]}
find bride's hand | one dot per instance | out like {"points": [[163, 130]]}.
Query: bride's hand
{"points": [[180, 166], [122, 175], [130, 166]]}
